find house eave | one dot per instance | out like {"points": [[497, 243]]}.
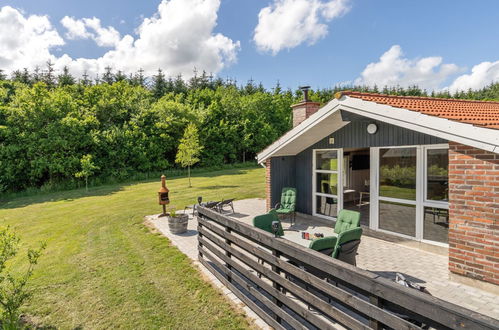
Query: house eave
{"points": [[328, 119]]}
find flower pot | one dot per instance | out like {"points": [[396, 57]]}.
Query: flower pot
{"points": [[178, 223]]}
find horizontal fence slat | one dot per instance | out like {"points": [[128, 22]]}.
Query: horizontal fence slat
{"points": [[299, 309], [253, 290], [297, 291], [347, 298], [432, 308], [251, 304]]}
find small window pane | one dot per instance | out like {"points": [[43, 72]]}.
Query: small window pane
{"points": [[396, 217], [398, 173], [436, 224], [326, 160], [437, 175], [327, 183], [327, 206]]}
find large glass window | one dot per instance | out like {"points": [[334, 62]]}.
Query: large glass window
{"points": [[437, 175], [326, 206], [327, 179], [327, 183], [397, 217], [422, 213], [436, 224], [397, 173], [326, 160]]}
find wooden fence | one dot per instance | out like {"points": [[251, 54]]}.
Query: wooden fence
{"points": [[290, 286]]}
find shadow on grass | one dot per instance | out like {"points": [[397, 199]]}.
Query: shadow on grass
{"points": [[68, 195], [217, 187], [12, 202]]}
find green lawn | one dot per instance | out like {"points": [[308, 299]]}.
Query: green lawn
{"points": [[103, 268]]}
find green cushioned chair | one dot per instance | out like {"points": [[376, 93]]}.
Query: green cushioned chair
{"points": [[347, 219], [347, 245], [264, 222], [288, 203], [324, 245]]}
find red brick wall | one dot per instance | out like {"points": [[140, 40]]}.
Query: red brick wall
{"points": [[303, 110], [474, 213], [268, 193]]}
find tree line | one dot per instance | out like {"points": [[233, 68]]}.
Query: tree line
{"points": [[52, 123]]}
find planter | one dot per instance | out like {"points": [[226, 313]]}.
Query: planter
{"points": [[178, 224]]}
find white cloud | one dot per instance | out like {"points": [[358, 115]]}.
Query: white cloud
{"points": [[25, 41], [394, 69], [91, 28], [289, 23], [481, 75], [177, 38]]}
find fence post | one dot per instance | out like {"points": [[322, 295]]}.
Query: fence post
{"points": [[200, 245], [373, 323], [276, 285], [228, 254]]}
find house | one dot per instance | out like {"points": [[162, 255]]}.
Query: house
{"points": [[425, 169]]}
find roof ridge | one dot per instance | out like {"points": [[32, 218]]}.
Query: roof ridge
{"points": [[338, 95]]}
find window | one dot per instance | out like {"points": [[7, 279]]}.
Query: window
{"points": [[397, 217], [397, 173], [436, 224], [413, 191], [437, 174], [328, 175], [326, 160]]}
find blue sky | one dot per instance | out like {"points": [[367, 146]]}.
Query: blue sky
{"points": [[436, 44]]}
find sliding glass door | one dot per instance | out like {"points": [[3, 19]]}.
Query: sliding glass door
{"points": [[411, 191], [327, 182], [397, 190]]}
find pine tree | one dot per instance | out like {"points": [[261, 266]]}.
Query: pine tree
{"points": [[158, 85], [119, 76], [189, 149], [48, 76], [36, 76], [85, 79], [65, 78], [108, 76]]}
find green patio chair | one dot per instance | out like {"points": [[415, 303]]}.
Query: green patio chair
{"points": [[347, 219], [347, 245], [324, 245], [264, 222], [288, 203]]}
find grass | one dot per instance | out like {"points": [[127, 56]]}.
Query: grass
{"points": [[397, 192], [103, 268]]}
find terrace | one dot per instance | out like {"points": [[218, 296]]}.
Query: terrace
{"points": [[380, 256]]}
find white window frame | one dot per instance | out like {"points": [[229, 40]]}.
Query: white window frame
{"points": [[426, 202], [421, 189], [338, 172]]}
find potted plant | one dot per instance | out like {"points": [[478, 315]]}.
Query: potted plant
{"points": [[177, 223]]}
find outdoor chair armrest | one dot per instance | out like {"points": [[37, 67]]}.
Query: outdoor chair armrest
{"points": [[278, 205]]}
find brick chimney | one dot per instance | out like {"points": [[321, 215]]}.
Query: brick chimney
{"points": [[305, 108]]}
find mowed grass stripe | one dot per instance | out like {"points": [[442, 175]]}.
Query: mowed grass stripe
{"points": [[103, 268]]}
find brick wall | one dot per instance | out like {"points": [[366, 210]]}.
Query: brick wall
{"points": [[268, 191], [303, 110], [474, 213]]}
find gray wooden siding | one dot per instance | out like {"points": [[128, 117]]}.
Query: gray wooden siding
{"points": [[282, 173], [353, 135]]}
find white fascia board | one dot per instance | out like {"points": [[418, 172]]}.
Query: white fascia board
{"points": [[299, 130], [468, 134]]}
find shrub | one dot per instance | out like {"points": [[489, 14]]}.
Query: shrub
{"points": [[14, 291]]}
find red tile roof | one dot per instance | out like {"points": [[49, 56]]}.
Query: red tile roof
{"points": [[479, 113]]}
